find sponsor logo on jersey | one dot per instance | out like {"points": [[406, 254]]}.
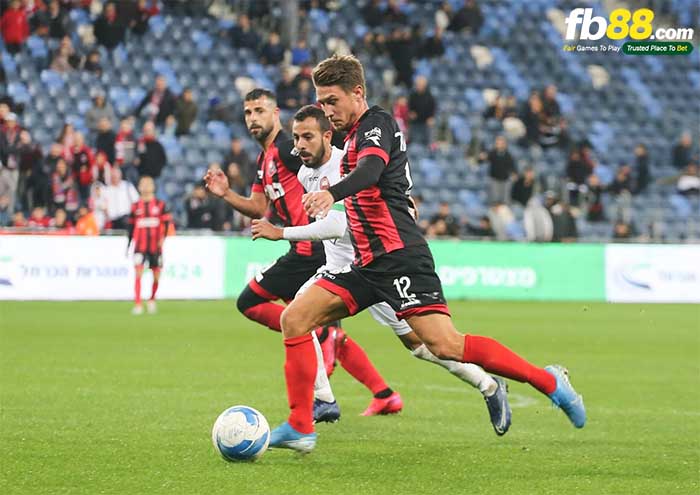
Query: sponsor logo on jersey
{"points": [[374, 135], [147, 222]]}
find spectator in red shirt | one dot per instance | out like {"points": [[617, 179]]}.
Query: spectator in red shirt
{"points": [[39, 219], [15, 27]]}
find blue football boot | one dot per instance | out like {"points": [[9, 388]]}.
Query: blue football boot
{"points": [[499, 409], [286, 437], [565, 397]]}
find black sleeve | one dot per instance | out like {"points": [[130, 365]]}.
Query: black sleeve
{"points": [[366, 174], [289, 157]]}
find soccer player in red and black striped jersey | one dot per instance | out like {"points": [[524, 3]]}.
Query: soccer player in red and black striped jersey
{"points": [[148, 226], [392, 261], [277, 185]]}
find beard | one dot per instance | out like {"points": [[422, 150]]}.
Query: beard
{"points": [[263, 133], [317, 159]]}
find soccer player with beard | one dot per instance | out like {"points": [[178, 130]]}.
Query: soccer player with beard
{"points": [[312, 135], [277, 184], [393, 262]]}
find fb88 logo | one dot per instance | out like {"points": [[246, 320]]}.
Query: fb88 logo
{"points": [[618, 26]]}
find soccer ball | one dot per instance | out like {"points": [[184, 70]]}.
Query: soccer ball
{"points": [[240, 433]]}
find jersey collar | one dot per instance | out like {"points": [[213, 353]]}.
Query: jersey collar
{"points": [[354, 127]]}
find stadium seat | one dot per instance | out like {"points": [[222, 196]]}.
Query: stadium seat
{"points": [[52, 80]]}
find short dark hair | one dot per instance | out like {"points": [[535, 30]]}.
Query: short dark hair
{"points": [[259, 93], [313, 112], [342, 70]]}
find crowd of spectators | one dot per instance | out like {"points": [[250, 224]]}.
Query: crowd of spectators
{"points": [[91, 173], [540, 124]]}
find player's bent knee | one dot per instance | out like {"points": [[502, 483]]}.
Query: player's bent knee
{"points": [[440, 350], [446, 349], [247, 299], [294, 323]]}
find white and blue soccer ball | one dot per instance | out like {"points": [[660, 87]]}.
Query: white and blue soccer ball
{"points": [[240, 433]]}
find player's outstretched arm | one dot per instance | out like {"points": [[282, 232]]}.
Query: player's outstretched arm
{"points": [[254, 206], [367, 173], [332, 226]]}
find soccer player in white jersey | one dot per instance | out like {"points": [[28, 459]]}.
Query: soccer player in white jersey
{"points": [[321, 169]]}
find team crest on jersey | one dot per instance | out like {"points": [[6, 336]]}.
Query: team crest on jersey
{"points": [[271, 168], [155, 210], [374, 135], [324, 184]]}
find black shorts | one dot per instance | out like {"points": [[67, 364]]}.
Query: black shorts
{"points": [[405, 279], [154, 260], [283, 279]]}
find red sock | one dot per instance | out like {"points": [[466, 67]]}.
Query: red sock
{"points": [[267, 314], [496, 358], [300, 373], [353, 358], [137, 290], [154, 289]]}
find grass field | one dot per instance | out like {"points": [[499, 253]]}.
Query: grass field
{"points": [[94, 400]]}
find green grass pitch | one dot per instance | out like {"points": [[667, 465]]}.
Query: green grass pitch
{"points": [[94, 400]]}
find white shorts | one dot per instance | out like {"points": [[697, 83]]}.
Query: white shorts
{"points": [[381, 312]]}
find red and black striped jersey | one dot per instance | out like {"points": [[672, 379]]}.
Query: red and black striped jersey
{"points": [[379, 216], [277, 178], [149, 221]]}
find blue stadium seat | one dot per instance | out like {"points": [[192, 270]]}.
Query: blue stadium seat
{"points": [[52, 80], [18, 92]]}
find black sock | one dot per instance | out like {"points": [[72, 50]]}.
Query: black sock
{"points": [[383, 394]]}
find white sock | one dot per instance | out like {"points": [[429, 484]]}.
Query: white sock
{"points": [[322, 387], [466, 372]]}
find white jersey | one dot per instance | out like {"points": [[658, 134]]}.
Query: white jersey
{"points": [[339, 252]]}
